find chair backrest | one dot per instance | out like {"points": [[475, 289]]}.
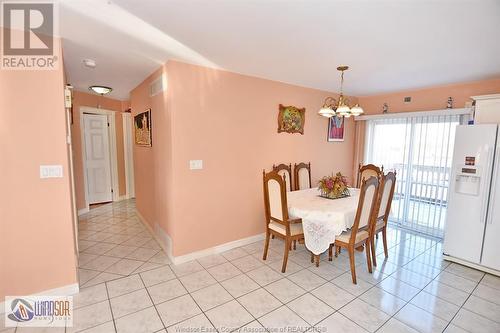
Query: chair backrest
{"points": [[285, 170], [275, 202], [302, 176], [367, 171], [365, 214], [386, 193]]}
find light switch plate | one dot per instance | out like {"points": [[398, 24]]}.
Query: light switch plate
{"points": [[196, 164], [51, 171]]}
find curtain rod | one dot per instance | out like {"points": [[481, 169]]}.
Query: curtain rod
{"points": [[411, 114]]}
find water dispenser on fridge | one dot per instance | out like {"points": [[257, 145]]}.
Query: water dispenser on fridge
{"points": [[468, 180]]}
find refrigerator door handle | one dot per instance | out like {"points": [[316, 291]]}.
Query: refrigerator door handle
{"points": [[486, 190], [493, 186]]}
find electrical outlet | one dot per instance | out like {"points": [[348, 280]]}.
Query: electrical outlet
{"points": [[196, 164], [407, 99], [51, 171]]}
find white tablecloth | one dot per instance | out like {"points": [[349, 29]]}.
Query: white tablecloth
{"points": [[322, 218]]}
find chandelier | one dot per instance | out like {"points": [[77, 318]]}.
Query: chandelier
{"points": [[341, 108]]}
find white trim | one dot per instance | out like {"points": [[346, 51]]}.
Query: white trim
{"points": [[128, 154], [83, 211], [411, 114], [74, 209], [112, 149], [166, 243], [68, 290], [471, 264], [218, 248], [483, 97]]}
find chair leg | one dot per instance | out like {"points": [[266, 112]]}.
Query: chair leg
{"points": [[330, 252], [285, 255], [317, 260], [368, 259], [272, 236], [353, 266], [295, 245], [266, 246], [312, 257], [374, 255], [384, 239], [337, 251]]}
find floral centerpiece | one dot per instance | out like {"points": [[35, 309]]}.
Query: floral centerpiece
{"points": [[333, 187]]}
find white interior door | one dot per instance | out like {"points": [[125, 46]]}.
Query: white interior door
{"points": [[97, 158]]}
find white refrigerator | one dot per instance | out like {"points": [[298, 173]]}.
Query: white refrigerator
{"points": [[472, 231]]}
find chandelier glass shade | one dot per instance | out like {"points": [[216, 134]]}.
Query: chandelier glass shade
{"points": [[340, 107]]}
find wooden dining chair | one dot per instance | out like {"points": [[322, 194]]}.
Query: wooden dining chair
{"points": [[358, 235], [302, 176], [285, 170], [386, 193], [367, 171], [277, 221]]}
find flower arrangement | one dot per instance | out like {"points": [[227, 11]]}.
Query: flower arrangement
{"points": [[333, 187]]}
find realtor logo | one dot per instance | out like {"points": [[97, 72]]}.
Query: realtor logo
{"points": [[38, 311], [28, 35]]}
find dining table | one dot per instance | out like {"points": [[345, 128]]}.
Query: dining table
{"points": [[322, 218]]}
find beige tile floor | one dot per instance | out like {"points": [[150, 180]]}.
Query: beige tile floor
{"points": [[129, 285]]}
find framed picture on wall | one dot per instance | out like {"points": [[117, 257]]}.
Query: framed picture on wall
{"points": [[142, 128], [291, 119], [336, 129]]}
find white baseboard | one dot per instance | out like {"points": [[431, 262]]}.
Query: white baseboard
{"points": [[471, 264], [70, 289], [166, 243], [121, 197], [217, 249], [83, 211]]}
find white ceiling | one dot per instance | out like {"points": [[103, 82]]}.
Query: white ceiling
{"points": [[389, 45]]}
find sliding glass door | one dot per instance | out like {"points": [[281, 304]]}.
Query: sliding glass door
{"points": [[420, 150]]}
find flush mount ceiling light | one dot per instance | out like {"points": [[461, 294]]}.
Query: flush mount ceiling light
{"points": [[332, 107], [101, 90], [89, 63]]}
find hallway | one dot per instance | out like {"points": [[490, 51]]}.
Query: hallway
{"points": [[114, 243]]}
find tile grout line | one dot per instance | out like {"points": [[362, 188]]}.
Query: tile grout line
{"points": [[470, 295], [192, 298], [153, 303], [110, 307]]}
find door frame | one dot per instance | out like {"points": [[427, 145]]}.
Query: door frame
{"points": [[112, 150], [128, 152]]}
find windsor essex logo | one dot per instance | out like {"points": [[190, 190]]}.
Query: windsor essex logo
{"points": [[38, 311], [28, 36]]}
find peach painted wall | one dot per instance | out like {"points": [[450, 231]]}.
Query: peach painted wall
{"points": [[153, 165], [229, 121], [91, 100], [36, 227], [431, 98]]}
